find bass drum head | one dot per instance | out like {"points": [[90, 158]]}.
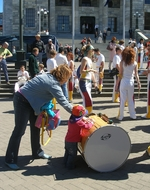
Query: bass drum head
{"points": [[107, 148]]}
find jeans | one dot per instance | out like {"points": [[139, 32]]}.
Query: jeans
{"points": [[3, 64], [70, 154], [40, 55], [23, 112], [65, 90]]}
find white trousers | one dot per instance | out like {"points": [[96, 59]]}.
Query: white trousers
{"points": [[19, 84], [127, 93], [141, 59], [113, 95]]}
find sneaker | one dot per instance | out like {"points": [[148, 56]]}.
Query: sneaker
{"points": [[8, 83], [12, 166], [43, 156]]}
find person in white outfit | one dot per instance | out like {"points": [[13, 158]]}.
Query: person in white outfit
{"points": [[23, 76], [51, 62], [116, 65], [140, 47], [99, 75], [128, 69], [62, 59]]}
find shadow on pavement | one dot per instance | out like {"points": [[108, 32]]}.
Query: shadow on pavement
{"points": [[56, 168], [145, 129], [10, 112]]}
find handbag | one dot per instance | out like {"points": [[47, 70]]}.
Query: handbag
{"points": [[108, 47], [114, 72], [47, 123]]}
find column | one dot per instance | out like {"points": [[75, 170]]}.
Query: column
{"points": [[52, 19], [104, 15]]}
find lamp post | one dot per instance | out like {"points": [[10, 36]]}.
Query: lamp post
{"points": [[137, 15], [20, 55], [40, 12]]}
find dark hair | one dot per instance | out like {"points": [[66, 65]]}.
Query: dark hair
{"points": [[71, 55], [61, 49], [22, 66], [96, 50], [128, 55], [118, 48]]}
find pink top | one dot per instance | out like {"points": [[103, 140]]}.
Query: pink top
{"points": [[113, 52]]}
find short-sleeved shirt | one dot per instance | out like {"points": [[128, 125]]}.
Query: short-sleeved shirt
{"points": [[4, 52], [61, 59], [101, 59], [116, 61], [51, 64]]}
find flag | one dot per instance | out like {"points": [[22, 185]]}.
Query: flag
{"points": [[106, 3]]}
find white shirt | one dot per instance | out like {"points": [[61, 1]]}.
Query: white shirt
{"points": [[51, 64], [61, 59], [23, 75], [100, 59], [88, 66], [141, 46], [128, 71], [116, 61]]}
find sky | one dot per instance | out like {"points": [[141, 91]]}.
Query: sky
{"points": [[1, 6]]}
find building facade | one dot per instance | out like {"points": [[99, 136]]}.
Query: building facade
{"points": [[56, 16], [1, 24]]}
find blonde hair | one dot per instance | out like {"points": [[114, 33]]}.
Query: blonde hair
{"points": [[41, 65], [52, 53], [62, 72]]}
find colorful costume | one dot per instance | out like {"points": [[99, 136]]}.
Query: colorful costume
{"points": [[85, 86]]}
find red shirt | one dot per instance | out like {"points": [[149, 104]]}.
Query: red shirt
{"points": [[73, 133]]}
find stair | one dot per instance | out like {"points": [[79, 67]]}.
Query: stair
{"points": [[7, 90]]}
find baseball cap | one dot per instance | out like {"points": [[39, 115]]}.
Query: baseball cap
{"points": [[79, 111]]}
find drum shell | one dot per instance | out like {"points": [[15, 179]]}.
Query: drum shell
{"points": [[106, 147], [98, 122]]}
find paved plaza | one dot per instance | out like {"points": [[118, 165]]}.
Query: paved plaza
{"points": [[40, 174]]}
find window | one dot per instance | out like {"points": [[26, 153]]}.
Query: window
{"points": [[63, 2], [112, 24], [147, 21], [63, 23], [147, 1], [114, 4], [30, 17], [88, 3]]}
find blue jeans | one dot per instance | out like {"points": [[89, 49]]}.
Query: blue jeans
{"points": [[3, 64], [70, 154], [65, 90], [40, 55], [23, 112]]}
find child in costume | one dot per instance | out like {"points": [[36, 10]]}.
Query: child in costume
{"points": [[76, 122]]}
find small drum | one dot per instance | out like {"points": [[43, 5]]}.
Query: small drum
{"points": [[106, 148]]}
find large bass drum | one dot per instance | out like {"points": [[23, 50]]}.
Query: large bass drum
{"points": [[106, 148]]}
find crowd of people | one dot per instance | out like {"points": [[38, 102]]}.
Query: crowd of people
{"points": [[57, 81]]}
